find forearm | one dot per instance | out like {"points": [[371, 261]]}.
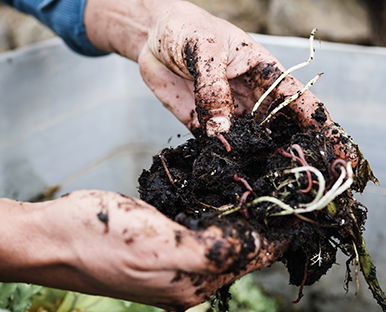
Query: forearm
{"points": [[30, 248], [122, 26]]}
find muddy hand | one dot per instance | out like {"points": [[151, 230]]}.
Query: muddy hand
{"points": [[194, 57], [108, 244], [195, 64], [186, 54], [209, 55]]}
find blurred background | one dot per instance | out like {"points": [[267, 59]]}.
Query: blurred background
{"points": [[69, 122], [348, 21]]}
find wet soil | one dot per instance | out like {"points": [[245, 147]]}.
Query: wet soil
{"points": [[189, 183]]}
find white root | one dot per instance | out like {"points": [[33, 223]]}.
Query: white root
{"points": [[292, 97], [287, 208], [319, 201], [223, 208], [337, 189], [317, 258], [319, 176], [282, 76]]}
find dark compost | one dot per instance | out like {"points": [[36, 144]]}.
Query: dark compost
{"points": [[206, 181]]}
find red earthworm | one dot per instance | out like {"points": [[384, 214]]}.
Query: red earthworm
{"points": [[300, 159], [244, 213], [224, 141], [336, 162], [334, 173], [298, 148], [246, 184], [243, 199], [300, 295]]}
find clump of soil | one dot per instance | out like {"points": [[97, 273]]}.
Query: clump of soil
{"points": [[190, 182]]}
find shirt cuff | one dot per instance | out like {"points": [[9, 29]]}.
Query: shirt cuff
{"points": [[65, 18]]}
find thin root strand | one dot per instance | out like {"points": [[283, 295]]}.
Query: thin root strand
{"points": [[292, 97], [282, 76], [167, 170]]}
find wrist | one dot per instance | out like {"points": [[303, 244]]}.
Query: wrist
{"points": [[30, 247], [122, 26]]}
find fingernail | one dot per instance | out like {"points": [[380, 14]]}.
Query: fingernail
{"points": [[215, 125], [257, 242]]}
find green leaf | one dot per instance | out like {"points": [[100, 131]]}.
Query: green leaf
{"points": [[247, 295], [54, 300], [6, 291], [17, 297]]}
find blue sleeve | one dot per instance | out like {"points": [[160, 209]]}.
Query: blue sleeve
{"points": [[64, 17]]}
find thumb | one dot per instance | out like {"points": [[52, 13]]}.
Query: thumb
{"points": [[207, 63], [214, 251], [175, 92]]}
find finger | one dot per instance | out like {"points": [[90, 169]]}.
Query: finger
{"points": [[196, 288], [213, 251], [156, 243], [175, 93], [207, 63], [179, 290], [146, 240]]}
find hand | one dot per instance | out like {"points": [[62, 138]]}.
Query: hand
{"points": [[188, 57], [210, 63], [105, 243]]}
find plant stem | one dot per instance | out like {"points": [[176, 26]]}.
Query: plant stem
{"points": [[293, 68], [292, 97]]}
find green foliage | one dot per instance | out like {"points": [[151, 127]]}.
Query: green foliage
{"points": [[53, 300], [17, 297], [248, 296], [24, 297]]}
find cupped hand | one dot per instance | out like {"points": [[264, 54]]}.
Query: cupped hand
{"points": [[192, 56], [124, 248], [187, 57], [195, 60]]}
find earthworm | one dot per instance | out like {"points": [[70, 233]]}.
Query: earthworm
{"points": [[225, 142], [298, 148], [334, 173], [336, 162], [246, 184], [243, 199], [300, 159], [300, 295]]}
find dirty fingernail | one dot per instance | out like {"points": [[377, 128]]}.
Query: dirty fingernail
{"points": [[215, 125], [257, 242]]}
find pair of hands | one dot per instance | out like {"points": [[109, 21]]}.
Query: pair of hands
{"points": [[104, 243]]}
